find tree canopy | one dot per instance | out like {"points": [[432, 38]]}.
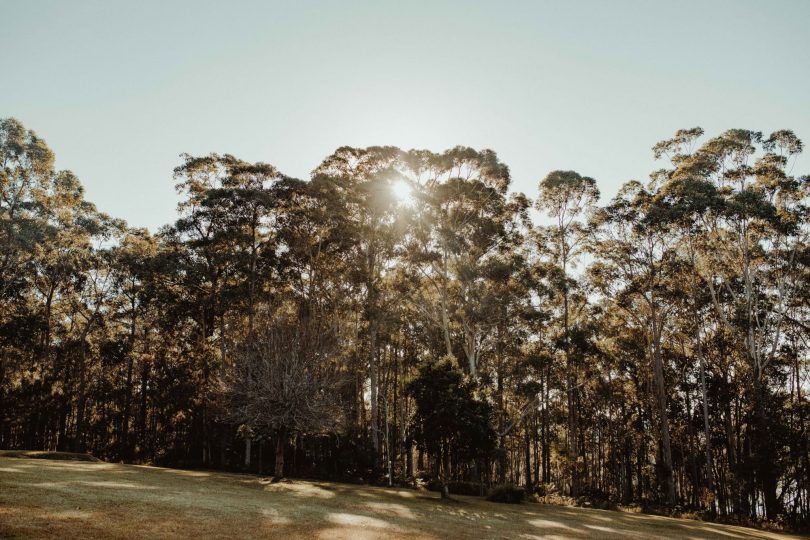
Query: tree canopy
{"points": [[400, 316]]}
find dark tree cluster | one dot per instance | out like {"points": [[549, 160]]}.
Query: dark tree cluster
{"points": [[400, 315]]}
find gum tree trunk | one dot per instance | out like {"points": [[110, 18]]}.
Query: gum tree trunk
{"points": [[281, 444]]}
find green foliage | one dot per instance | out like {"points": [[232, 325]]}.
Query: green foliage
{"points": [[687, 321], [448, 416]]}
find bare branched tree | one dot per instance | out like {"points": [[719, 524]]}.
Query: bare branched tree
{"points": [[284, 378]]}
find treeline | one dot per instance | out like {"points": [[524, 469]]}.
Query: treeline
{"points": [[401, 315]]}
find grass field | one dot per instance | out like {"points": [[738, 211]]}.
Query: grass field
{"points": [[73, 499]]}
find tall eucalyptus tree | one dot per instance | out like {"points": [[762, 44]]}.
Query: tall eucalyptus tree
{"points": [[567, 198]]}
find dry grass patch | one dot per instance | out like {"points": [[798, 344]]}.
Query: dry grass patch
{"points": [[41, 454], [67, 499]]}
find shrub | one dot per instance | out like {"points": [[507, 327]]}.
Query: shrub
{"points": [[507, 493], [474, 489], [467, 488]]}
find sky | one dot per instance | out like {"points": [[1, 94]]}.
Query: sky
{"points": [[120, 89]]}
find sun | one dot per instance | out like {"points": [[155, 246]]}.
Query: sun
{"points": [[402, 192]]}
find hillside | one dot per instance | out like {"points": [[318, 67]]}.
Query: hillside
{"points": [[64, 499]]}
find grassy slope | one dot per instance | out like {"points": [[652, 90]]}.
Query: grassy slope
{"points": [[41, 498]]}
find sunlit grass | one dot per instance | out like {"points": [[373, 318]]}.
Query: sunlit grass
{"points": [[61, 499]]}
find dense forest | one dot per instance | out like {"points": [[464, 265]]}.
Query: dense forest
{"points": [[404, 315]]}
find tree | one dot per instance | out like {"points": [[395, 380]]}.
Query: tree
{"points": [[364, 179], [566, 196], [135, 280], [225, 248], [311, 314], [464, 218], [448, 419], [753, 225], [284, 379], [635, 253]]}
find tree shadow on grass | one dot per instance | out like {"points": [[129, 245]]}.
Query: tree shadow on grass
{"points": [[104, 500]]}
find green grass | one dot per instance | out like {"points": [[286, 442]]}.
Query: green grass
{"points": [[75, 499]]}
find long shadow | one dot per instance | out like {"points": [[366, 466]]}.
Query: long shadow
{"points": [[152, 502]]}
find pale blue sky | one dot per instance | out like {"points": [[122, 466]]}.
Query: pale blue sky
{"points": [[120, 89]]}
